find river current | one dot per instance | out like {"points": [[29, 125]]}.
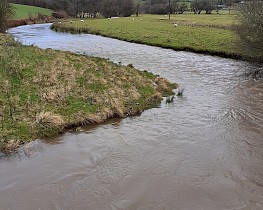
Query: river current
{"points": [[204, 151]]}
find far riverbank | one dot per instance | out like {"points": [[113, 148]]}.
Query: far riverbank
{"points": [[179, 33]]}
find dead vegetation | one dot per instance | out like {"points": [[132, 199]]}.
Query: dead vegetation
{"points": [[48, 119]]}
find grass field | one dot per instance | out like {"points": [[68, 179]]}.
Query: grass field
{"points": [[213, 19], [42, 92], [199, 33], [25, 11]]}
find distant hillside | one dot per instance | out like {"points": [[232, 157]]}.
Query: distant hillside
{"points": [[24, 11]]}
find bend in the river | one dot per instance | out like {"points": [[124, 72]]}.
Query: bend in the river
{"points": [[204, 151]]}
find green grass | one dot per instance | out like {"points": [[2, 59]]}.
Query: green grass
{"points": [[25, 11], [42, 92], [212, 19], [199, 33], [221, 19]]}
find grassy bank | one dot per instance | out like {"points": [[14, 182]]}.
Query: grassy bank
{"points": [[25, 15], [43, 92], [25, 11], [202, 33]]}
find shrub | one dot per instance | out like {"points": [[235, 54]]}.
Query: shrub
{"points": [[6, 12], [250, 24]]}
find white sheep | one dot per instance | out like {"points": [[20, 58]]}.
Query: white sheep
{"points": [[81, 20], [175, 25], [71, 21]]}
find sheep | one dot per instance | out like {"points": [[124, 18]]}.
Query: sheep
{"points": [[175, 25], [109, 18], [71, 21], [166, 16], [81, 20]]}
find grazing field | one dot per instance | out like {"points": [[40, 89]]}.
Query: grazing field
{"points": [[42, 92], [211, 20], [25, 11], [202, 33]]}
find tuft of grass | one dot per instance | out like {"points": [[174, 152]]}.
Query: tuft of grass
{"points": [[48, 119], [11, 146], [180, 91]]}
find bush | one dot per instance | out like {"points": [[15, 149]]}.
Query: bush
{"points": [[6, 12], [250, 24]]}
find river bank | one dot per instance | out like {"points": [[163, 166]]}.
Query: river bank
{"points": [[43, 92], [203, 151], [206, 37], [25, 15], [32, 20]]}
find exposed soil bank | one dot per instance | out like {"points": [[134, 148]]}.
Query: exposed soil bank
{"points": [[71, 28], [28, 21], [43, 92]]}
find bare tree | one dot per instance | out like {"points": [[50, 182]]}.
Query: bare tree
{"points": [[110, 8], [181, 7], [170, 9], [208, 6], [126, 7], [250, 24], [6, 12], [199, 5], [137, 5]]}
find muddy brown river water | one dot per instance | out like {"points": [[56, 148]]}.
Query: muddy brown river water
{"points": [[202, 152]]}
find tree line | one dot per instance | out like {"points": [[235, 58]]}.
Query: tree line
{"points": [[81, 8], [179, 7], [109, 8]]}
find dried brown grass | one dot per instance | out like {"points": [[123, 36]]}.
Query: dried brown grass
{"points": [[162, 84], [48, 119], [11, 146]]}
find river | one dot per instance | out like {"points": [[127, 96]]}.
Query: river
{"points": [[204, 151]]}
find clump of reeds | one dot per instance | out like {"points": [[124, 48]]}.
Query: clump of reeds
{"points": [[180, 91], [169, 99]]}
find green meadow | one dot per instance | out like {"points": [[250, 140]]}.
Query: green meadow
{"points": [[202, 33], [25, 11]]}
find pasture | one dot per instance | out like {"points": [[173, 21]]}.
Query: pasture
{"points": [[25, 11], [210, 34]]}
